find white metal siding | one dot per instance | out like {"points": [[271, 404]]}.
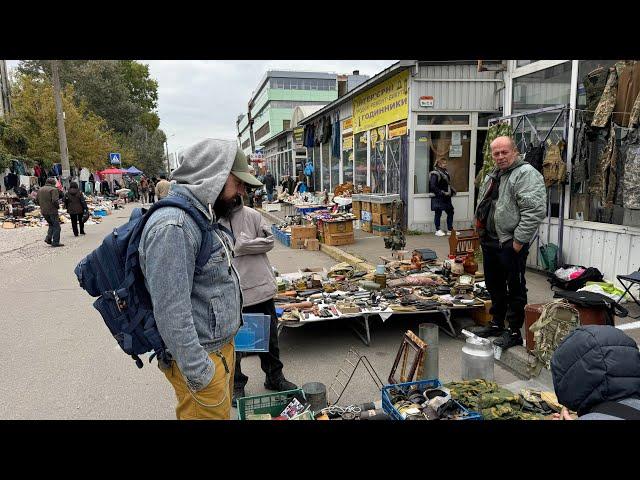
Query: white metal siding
{"points": [[346, 110], [456, 95], [612, 253]]}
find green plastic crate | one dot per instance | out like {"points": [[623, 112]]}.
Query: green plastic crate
{"points": [[271, 403]]}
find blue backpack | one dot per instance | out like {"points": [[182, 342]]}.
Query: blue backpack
{"points": [[112, 273]]}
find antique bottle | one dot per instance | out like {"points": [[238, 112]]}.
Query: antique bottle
{"points": [[470, 264]]}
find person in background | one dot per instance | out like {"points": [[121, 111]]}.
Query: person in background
{"points": [[269, 185], [596, 372], [49, 200], [440, 186], [253, 240], [152, 189], [76, 205], [162, 187], [144, 189], [21, 191]]}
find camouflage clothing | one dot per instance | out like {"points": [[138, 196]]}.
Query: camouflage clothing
{"points": [[631, 178], [495, 131], [557, 319], [594, 84], [580, 160], [608, 166], [607, 100], [635, 113]]}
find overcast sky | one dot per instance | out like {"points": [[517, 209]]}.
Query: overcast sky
{"points": [[200, 99]]}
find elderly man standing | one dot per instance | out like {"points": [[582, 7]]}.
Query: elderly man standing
{"points": [[49, 200], [512, 206]]}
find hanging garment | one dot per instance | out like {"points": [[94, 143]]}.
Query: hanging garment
{"points": [[335, 150], [594, 84], [580, 159], [554, 170], [607, 101], [635, 113], [608, 162], [24, 180], [599, 143], [628, 90], [495, 131], [57, 169], [535, 156], [11, 181], [631, 178]]}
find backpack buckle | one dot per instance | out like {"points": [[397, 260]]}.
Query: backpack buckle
{"points": [[120, 303]]}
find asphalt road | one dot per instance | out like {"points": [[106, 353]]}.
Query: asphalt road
{"points": [[59, 361]]}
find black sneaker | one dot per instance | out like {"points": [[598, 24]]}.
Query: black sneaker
{"points": [[491, 330], [48, 242], [57, 244], [508, 339], [280, 385], [237, 393]]}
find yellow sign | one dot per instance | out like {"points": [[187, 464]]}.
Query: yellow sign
{"points": [[398, 129], [347, 142], [383, 104], [347, 124]]}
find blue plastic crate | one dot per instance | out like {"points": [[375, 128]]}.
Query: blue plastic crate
{"points": [[387, 406], [253, 336]]}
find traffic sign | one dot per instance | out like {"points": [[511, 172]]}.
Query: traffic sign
{"points": [[114, 158]]}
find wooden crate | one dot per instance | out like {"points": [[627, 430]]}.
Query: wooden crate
{"points": [[380, 219], [365, 206], [381, 208], [312, 244], [339, 239], [338, 227], [366, 226], [356, 205], [300, 233]]}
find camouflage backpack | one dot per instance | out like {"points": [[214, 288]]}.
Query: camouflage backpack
{"points": [[557, 320], [554, 170]]}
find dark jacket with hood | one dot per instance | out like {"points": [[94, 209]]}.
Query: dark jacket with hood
{"points": [[440, 186], [197, 311], [48, 199], [269, 182], [596, 364], [74, 201]]}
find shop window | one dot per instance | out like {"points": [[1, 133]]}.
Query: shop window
{"points": [[443, 119], [262, 131], [483, 118], [326, 166], [360, 162], [393, 146], [522, 63], [347, 158], [286, 124], [453, 146]]}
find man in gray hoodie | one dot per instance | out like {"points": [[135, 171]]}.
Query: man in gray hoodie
{"points": [[517, 197], [198, 311], [253, 240]]}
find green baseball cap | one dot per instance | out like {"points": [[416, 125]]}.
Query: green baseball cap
{"points": [[241, 170]]}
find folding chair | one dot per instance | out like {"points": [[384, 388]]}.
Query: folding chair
{"points": [[633, 279]]}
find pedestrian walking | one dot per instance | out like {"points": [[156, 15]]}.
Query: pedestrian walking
{"points": [[76, 206], [512, 206], [199, 319], [253, 240], [152, 190], [144, 189], [269, 184], [440, 186], [49, 200]]}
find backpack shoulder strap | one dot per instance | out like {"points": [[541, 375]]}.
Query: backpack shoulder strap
{"points": [[617, 409]]}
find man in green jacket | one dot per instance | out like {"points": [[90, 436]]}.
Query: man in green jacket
{"points": [[49, 200], [516, 194]]}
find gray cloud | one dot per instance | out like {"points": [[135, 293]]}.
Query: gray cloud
{"points": [[203, 98]]}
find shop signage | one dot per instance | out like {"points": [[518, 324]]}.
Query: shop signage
{"points": [[398, 129], [383, 104], [426, 101], [347, 124], [347, 142], [298, 136]]}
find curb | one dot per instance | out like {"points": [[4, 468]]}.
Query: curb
{"points": [[334, 252]]}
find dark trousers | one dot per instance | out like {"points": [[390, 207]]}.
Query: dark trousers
{"points": [[76, 218], [438, 215], [53, 233], [504, 271], [269, 361]]}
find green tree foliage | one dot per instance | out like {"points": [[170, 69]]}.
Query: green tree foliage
{"points": [[149, 148], [89, 140]]}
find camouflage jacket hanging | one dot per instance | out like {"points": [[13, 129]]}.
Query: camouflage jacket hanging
{"points": [[501, 129], [607, 100], [631, 178]]}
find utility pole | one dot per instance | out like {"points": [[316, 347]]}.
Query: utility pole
{"points": [[166, 144], [62, 134]]}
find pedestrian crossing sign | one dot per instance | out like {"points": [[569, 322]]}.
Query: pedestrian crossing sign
{"points": [[114, 158]]}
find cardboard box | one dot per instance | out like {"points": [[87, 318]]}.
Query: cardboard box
{"points": [[312, 244], [380, 219], [338, 227], [356, 205], [380, 208], [365, 206], [339, 239], [272, 207], [300, 233], [366, 226]]}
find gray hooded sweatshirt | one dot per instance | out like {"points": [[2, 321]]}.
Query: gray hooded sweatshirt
{"points": [[197, 311]]}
